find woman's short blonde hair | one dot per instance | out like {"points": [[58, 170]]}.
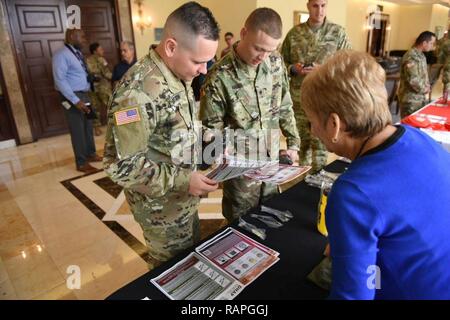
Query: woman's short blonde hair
{"points": [[352, 85]]}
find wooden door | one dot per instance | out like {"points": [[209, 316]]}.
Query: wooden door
{"points": [[38, 28], [38, 31], [98, 22]]}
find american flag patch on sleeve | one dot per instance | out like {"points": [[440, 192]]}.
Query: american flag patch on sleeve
{"points": [[127, 116]]}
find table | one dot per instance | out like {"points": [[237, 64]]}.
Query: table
{"points": [[438, 114], [299, 243]]}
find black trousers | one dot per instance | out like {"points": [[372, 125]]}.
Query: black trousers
{"points": [[81, 134]]}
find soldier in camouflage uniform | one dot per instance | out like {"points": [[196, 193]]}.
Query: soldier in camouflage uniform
{"points": [[414, 82], [443, 55], [150, 146], [248, 90], [440, 50], [305, 47], [98, 67]]}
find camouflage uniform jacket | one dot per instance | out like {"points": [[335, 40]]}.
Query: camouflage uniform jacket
{"points": [[150, 140], [443, 53], [98, 66], [306, 46], [413, 76], [237, 97]]}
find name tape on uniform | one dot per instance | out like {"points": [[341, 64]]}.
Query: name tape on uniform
{"points": [[127, 116]]}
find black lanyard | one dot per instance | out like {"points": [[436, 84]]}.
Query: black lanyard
{"points": [[79, 57], [362, 147]]}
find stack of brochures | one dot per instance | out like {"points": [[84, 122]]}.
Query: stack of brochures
{"points": [[219, 269], [280, 174], [265, 171]]}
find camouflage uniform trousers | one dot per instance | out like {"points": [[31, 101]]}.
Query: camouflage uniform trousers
{"points": [[408, 107], [170, 229], [242, 194], [312, 151]]}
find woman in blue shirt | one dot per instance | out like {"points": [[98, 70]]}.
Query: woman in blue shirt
{"points": [[388, 215]]}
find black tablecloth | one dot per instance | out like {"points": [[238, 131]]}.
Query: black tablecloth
{"points": [[299, 243]]}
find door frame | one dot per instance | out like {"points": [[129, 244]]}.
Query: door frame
{"points": [[373, 19], [6, 5], [8, 107], [118, 25]]}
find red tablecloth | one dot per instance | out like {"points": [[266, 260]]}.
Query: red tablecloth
{"points": [[435, 115]]}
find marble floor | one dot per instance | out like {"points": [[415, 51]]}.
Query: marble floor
{"points": [[52, 219]]}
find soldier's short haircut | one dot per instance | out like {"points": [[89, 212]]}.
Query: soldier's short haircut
{"points": [[352, 85], [93, 46], [266, 20], [191, 20], [424, 36], [128, 43], [229, 34]]}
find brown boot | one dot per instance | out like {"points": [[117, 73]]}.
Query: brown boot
{"points": [[97, 131], [86, 168], [94, 158]]}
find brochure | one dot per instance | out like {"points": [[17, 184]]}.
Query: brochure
{"points": [[266, 171], [219, 269], [280, 175]]}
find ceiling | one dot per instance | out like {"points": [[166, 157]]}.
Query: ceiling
{"points": [[443, 2]]}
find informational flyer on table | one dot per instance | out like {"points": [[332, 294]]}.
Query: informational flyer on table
{"points": [[195, 278], [218, 270], [240, 256]]}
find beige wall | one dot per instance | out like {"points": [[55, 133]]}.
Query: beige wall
{"points": [[439, 17], [357, 12], [413, 21], [226, 14], [407, 22], [159, 10], [229, 17], [337, 12]]}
